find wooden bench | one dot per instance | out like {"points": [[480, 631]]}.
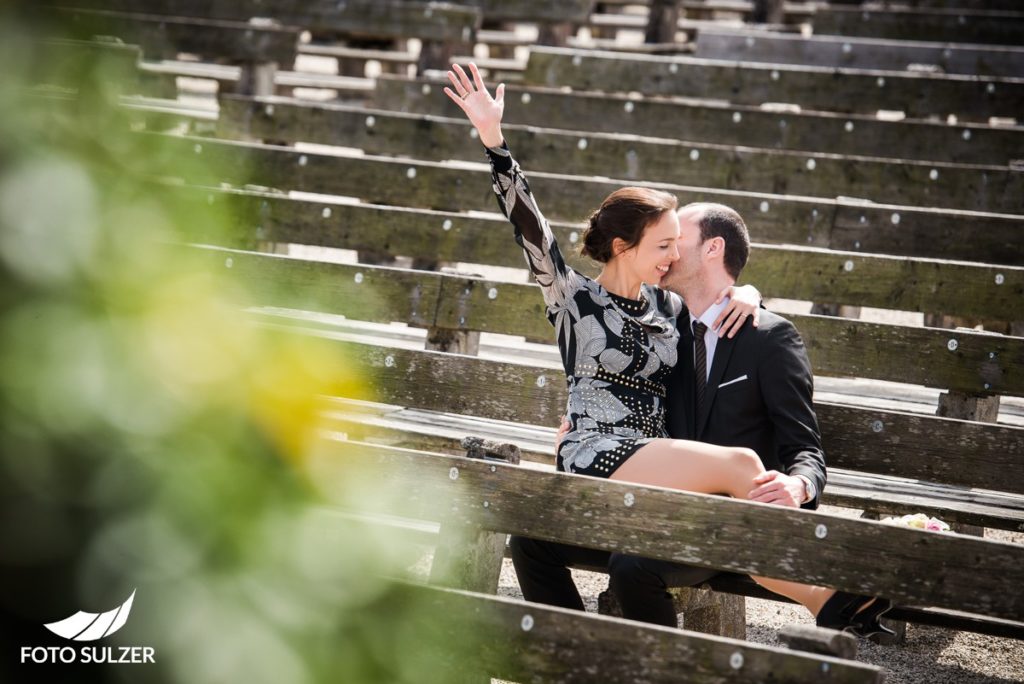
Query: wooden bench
{"points": [[722, 123], [969, 98], [164, 37], [629, 158], [443, 27], [646, 521], [859, 439], [931, 24], [859, 53], [839, 224], [481, 636]]}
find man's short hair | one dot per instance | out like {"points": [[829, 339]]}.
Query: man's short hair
{"points": [[718, 220]]}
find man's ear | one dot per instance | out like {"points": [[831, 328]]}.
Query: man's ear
{"points": [[714, 247]]}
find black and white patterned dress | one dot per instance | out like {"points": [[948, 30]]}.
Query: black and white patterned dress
{"points": [[617, 352]]}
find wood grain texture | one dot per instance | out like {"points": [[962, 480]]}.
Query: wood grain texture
{"points": [[909, 566], [630, 158], [439, 21], [911, 284], [559, 645], [950, 451], [859, 53], [849, 134], [970, 98], [929, 24], [993, 238], [539, 11], [978, 363], [163, 37], [846, 488]]}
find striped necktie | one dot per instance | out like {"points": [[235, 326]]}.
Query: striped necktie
{"points": [[700, 362]]}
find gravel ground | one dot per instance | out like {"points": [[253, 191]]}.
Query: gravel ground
{"points": [[930, 655]]}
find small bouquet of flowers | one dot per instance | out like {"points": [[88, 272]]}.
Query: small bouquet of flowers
{"points": [[920, 521]]}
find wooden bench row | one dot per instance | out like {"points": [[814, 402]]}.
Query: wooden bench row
{"points": [[997, 25], [629, 158], [859, 53], [472, 635], [721, 123], [969, 98], [841, 224], [955, 288], [910, 566], [476, 636], [856, 438]]}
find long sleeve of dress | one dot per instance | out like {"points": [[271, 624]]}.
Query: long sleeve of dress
{"points": [[532, 232]]}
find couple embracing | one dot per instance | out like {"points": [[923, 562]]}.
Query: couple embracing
{"points": [[659, 394]]}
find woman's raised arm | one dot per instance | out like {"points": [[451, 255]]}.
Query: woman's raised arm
{"points": [[532, 231]]}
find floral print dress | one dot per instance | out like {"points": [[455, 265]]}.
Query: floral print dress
{"points": [[617, 352]]}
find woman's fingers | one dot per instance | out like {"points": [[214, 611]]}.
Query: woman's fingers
{"points": [[464, 78], [499, 94], [476, 78], [459, 88], [456, 99]]}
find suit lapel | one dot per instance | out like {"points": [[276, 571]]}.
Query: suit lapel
{"points": [[723, 350]]}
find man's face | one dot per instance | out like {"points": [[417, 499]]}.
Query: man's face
{"points": [[690, 265]]}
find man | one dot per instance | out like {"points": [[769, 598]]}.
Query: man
{"points": [[756, 393]]}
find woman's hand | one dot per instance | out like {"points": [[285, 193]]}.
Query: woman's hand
{"points": [[743, 301], [483, 111]]}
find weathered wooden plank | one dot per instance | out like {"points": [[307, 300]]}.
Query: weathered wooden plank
{"points": [[953, 25], [887, 282], [436, 20], [855, 439], [539, 11], [858, 490], [375, 294], [969, 98], [953, 505], [529, 642], [858, 53], [630, 158], [909, 566], [962, 360], [973, 5], [784, 219], [956, 288], [163, 37], [719, 123]]}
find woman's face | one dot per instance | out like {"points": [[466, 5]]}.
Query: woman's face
{"points": [[650, 259]]}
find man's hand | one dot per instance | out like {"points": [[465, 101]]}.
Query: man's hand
{"points": [[563, 430], [778, 488]]}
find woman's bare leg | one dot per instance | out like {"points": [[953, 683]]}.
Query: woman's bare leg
{"points": [[711, 469], [692, 467]]}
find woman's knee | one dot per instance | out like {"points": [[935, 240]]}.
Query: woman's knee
{"points": [[747, 460]]}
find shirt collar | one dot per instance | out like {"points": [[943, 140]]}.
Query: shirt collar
{"points": [[709, 316]]}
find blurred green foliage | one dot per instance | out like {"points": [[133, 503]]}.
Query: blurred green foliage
{"points": [[153, 436]]}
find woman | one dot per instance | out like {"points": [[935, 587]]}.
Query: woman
{"points": [[617, 337]]}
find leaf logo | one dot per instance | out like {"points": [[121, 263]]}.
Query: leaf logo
{"points": [[92, 626]]}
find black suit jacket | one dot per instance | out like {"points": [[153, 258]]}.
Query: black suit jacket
{"points": [[759, 396]]}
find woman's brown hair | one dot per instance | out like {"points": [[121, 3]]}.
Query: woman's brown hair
{"points": [[624, 214]]}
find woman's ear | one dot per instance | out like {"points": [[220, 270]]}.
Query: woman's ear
{"points": [[618, 246]]}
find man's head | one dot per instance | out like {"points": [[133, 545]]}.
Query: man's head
{"points": [[713, 247]]}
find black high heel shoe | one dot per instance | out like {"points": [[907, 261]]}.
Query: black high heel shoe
{"points": [[841, 612]]}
